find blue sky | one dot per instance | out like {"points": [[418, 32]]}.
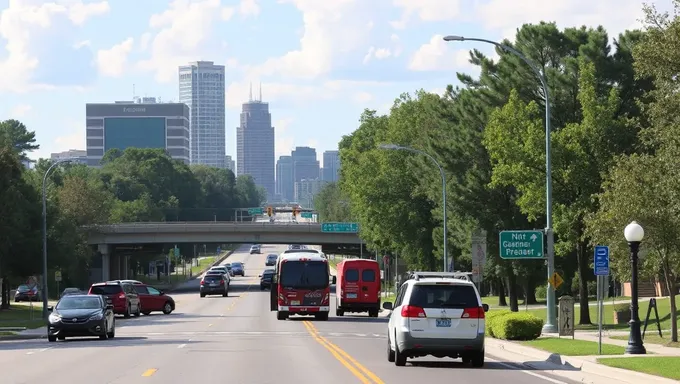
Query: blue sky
{"points": [[320, 62]]}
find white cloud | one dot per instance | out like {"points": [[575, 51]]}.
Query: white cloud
{"points": [[363, 97], [111, 62], [281, 125], [426, 10], [249, 8], [227, 13], [20, 110], [238, 92], [331, 30], [74, 140], [313, 143], [438, 55], [181, 32], [283, 145], [377, 53], [34, 30]]}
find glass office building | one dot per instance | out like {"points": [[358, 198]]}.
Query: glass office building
{"points": [[124, 125]]}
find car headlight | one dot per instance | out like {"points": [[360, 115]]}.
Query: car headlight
{"points": [[54, 318], [97, 316]]}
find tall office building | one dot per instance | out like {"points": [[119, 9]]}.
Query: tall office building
{"points": [[331, 166], [285, 184], [126, 124], [305, 164], [202, 88], [229, 163], [75, 155], [306, 191], [255, 144]]}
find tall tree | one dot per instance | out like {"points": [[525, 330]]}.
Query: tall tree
{"points": [[332, 204], [14, 133]]}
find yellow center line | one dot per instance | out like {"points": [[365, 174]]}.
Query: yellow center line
{"points": [[342, 356], [149, 372]]}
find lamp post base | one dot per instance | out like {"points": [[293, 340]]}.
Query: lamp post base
{"points": [[632, 349], [549, 328], [635, 344]]}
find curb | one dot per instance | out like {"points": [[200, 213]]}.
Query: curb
{"points": [[547, 360], [22, 337], [198, 275]]}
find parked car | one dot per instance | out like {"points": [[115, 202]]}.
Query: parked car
{"points": [[81, 315], [238, 269], [154, 300], [215, 284], [266, 279], [26, 293], [123, 296]]}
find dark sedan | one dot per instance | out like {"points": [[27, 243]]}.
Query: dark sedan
{"points": [[266, 279], [81, 315], [238, 269], [26, 293]]}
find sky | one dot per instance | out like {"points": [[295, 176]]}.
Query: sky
{"points": [[320, 62]]}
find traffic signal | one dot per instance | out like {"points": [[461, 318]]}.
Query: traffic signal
{"points": [[296, 211], [270, 211]]}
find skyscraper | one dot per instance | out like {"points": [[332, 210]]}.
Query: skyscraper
{"points": [[305, 164], [255, 144], [229, 163], [285, 184], [201, 87], [331, 166]]}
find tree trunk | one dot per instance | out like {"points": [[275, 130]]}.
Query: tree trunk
{"points": [[530, 291], [583, 284], [502, 302], [4, 292], [670, 287], [512, 292]]}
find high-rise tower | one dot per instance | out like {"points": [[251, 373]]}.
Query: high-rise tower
{"points": [[255, 144], [202, 88]]}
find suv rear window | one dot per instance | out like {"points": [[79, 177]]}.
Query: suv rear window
{"points": [[368, 275], [443, 296], [212, 278], [106, 289], [352, 275]]}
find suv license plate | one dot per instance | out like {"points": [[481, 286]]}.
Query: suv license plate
{"points": [[351, 295], [444, 323]]}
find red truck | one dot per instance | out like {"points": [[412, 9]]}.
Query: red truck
{"points": [[358, 288]]}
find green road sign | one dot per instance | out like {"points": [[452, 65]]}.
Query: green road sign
{"points": [[255, 211], [340, 227], [306, 215], [521, 244]]}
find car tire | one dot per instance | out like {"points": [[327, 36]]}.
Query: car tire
{"points": [[477, 359], [167, 308], [373, 313], [323, 316], [466, 359], [146, 313], [139, 310], [112, 334], [51, 338], [390, 351], [202, 294], [127, 312], [261, 287], [340, 312], [106, 334], [61, 338], [225, 294], [281, 315], [399, 357]]}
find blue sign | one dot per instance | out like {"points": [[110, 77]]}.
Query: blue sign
{"points": [[219, 250], [601, 260]]}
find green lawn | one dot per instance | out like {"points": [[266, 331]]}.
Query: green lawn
{"points": [[22, 316], [569, 347], [664, 366], [653, 338], [203, 264]]}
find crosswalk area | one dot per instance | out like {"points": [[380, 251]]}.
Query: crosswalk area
{"points": [[218, 334]]}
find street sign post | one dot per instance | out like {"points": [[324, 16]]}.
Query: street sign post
{"points": [[255, 211], [57, 276], [176, 251], [478, 256], [601, 267], [601, 260], [340, 227], [521, 245], [306, 215]]}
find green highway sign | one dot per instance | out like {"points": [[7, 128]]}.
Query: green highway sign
{"points": [[306, 215], [340, 227], [255, 211], [521, 245]]}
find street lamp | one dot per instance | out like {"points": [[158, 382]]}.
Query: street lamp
{"points": [[551, 321], [634, 235], [443, 175], [44, 232]]}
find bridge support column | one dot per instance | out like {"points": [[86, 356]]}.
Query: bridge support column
{"points": [[105, 251]]}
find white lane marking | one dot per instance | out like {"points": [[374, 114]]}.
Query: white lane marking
{"points": [[30, 353], [45, 349], [181, 346], [514, 368]]}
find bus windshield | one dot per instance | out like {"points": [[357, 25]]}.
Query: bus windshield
{"points": [[304, 275]]}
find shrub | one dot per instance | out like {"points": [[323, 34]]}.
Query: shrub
{"points": [[541, 292], [491, 318], [516, 326], [622, 307]]}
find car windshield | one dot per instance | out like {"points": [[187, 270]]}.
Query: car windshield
{"points": [[304, 275], [212, 277], [106, 289], [79, 303], [23, 288], [237, 265], [444, 296]]}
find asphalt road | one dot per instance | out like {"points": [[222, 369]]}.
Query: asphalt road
{"points": [[237, 339]]}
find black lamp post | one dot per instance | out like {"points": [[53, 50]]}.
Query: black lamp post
{"points": [[634, 235]]}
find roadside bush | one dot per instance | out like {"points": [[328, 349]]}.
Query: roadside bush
{"points": [[541, 292], [491, 318], [516, 326]]}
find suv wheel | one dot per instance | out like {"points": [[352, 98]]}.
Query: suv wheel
{"points": [[128, 311], [399, 357], [390, 352], [139, 310], [167, 308], [477, 359], [112, 334]]}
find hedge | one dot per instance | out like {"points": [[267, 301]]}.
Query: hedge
{"points": [[513, 325]]}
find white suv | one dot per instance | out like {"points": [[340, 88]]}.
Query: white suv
{"points": [[438, 314]]}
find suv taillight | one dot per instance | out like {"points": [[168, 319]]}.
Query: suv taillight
{"points": [[202, 282], [221, 282], [121, 296], [473, 313], [411, 311]]}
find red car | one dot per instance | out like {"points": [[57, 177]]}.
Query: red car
{"points": [[154, 300]]}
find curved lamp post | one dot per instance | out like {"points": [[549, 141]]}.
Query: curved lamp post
{"points": [[44, 233], [634, 233], [551, 321], [443, 175]]}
